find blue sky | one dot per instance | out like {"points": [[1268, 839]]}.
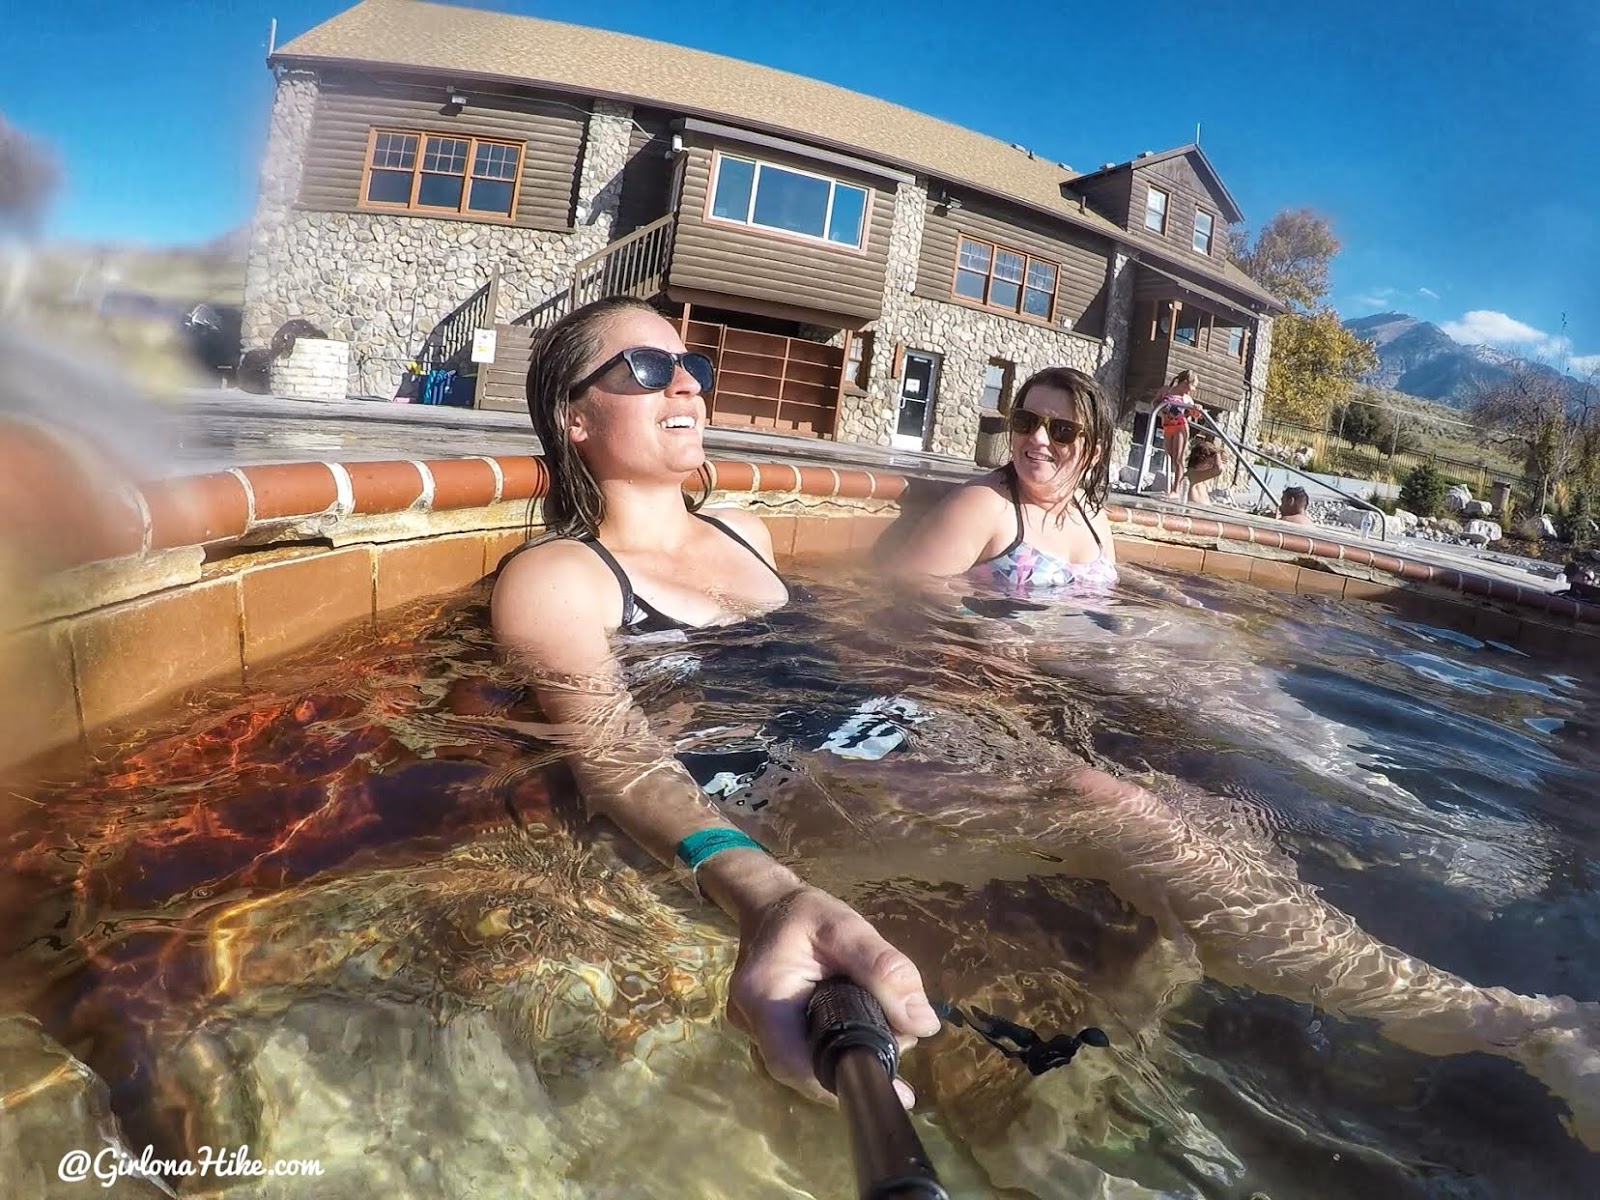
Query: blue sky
{"points": [[1451, 142]]}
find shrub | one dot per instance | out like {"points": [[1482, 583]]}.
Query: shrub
{"points": [[1575, 523], [1423, 491]]}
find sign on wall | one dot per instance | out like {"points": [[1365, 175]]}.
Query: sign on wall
{"points": [[483, 345]]}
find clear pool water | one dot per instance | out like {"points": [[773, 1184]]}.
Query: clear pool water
{"points": [[358, 915]]}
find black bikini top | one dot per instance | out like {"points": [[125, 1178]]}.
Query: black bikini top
{"points": [[638, 616]]}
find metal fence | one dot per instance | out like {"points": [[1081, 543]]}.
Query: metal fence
{"points": [[1349, 457]]}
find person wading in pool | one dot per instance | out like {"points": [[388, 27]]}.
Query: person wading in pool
{"points": [[619, 407], [1036, 528]]}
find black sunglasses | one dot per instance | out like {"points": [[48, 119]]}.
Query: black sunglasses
{"points": [[1060, 430], [653, 368]]}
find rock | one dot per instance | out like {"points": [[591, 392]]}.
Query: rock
{"points": [[1478, 508], [1361, 519], [41, 1125], [1537, 527], [1489, 531], [1408, 520], [1457, 498]]}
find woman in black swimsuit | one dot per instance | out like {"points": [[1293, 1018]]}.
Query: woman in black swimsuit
{"points": [[619, 408]]}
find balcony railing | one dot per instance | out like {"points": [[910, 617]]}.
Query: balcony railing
{"points": [[635, 265]]}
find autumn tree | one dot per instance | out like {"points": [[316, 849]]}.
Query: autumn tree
{"points": [[1315, 361], [1533, 413]]}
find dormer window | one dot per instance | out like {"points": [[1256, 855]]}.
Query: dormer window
{"points": [[1203, 223], [1155, 210]]}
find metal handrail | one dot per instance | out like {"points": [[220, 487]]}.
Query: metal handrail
{"points": [[1211, 426]]}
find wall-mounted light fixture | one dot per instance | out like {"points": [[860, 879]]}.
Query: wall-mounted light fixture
{"points": [[676, 146], [456, 100]]}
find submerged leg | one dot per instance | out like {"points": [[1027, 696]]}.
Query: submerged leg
{"points": [[1255, 924]]}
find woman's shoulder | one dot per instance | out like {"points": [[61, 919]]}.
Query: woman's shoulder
{"points": [[547, 569]]}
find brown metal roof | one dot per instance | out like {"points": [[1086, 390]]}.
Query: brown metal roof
{"points": [[472, 44]]}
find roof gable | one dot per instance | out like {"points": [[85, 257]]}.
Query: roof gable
{"points": [[1197, 159]]}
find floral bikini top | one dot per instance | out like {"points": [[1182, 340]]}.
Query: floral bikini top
{"points": [[1022, 570]]}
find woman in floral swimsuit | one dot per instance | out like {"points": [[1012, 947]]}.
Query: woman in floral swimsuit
{"points": [[1036, 526]]}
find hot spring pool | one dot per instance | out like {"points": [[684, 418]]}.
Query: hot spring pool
{"points": [[360, 918]]}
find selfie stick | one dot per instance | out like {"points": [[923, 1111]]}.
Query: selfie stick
{"points": [[854, 1054]]}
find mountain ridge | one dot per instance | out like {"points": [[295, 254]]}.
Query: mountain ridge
{"points": [[1420, 359]]}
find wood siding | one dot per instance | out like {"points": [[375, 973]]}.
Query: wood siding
{"points": [[1112, 197], [347, 110], [798, 273], [1185, 194], [1081, 284], [647, 178], [1153, 363]]}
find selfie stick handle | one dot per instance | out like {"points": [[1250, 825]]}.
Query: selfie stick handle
{"points": [[854, 1054]]}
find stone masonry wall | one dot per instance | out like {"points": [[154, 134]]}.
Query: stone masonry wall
{"points": [[965, 338], [382, 281]]}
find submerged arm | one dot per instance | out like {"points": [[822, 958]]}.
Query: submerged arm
{"points": [[548, 615]]}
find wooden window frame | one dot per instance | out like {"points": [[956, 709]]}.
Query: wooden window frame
{"points": [[1211, 234], [1022, 289], [709, 217], [428, 210], [1166, 209], [1008, 384]]}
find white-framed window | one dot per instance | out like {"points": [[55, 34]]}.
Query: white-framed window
{"points": [[1236, 341], [1203, 225], [766, 196], [1155, 210]]}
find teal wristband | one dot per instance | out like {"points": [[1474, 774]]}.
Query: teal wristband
{"points": [[704, 844]]}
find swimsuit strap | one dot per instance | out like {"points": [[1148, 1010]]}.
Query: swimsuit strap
{"points": [[1016, 504], [734, 534], [1084, 513], [623, 581]]}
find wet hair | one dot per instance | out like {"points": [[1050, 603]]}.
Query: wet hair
{"points": [[1203, 451], [1294, 501], [562, 355], [1094, 413]]}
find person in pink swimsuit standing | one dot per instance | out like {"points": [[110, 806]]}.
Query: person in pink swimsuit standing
{"points": [[1175, 408]]}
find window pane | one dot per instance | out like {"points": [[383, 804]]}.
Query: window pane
{"points": [[1155, 210], [1036, 303], [1004, 295], [970, 284], [974, 256], [1042, 276], [397, 150], [1008, 266], [735, 176], [445, 155], [849, 211], [495, 162], [994, 376], [1235, 340], [1202, 232], [389, 187], [1188, 328], [490, 195], [439, 191], [796, 203]]}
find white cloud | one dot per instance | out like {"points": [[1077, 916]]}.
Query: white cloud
{"points": [[1495, 329], [1485, 327], [1375, 300], [1427, 293]]}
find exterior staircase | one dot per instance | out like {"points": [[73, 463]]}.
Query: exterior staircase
{"points": [[634, 265]]}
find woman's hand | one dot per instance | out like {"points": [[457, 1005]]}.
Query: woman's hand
{"points": [[791, 943]]}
